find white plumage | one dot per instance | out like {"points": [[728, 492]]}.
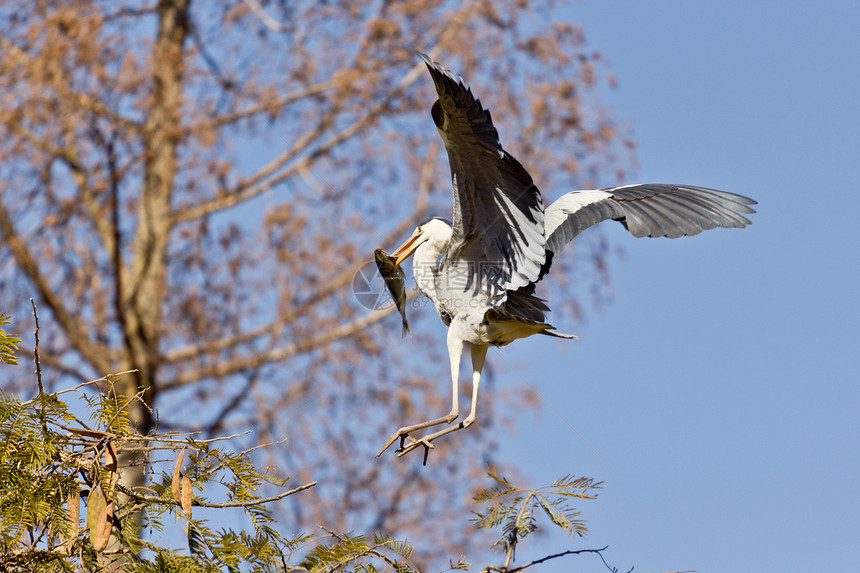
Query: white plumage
{"points": [[481, 269]]}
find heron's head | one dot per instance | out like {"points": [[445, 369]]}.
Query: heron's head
{"points": [[436, 231]]}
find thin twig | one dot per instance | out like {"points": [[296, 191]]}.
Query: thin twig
{"points": [[547, 558], [184, 441], [249, 503], [267, 444], [87, 383], [243, 453], [41, 396], [36, 351]]}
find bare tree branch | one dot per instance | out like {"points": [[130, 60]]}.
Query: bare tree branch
{"points": [[95, 353], [267, 107], [269, 176], [226, 368], [264, 17], [335, 283]]}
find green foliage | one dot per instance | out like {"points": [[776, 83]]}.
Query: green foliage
{"points": [[8, 343], [33, 490], [50, 459], [515, 510], [355, 553], [55, 468]]}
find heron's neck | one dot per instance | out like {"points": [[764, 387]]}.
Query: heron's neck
{"points": [[424, 265]]}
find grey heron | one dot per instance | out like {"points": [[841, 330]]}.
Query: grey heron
{"points": [[480, 269]]}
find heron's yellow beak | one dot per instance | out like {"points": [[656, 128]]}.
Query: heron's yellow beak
{"points": [[405, 250]]}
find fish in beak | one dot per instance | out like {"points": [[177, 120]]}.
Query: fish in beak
{"points": [[405, 250], [395, 282]]}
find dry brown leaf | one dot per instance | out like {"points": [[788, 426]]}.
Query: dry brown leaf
{"points": [[187, 495], [88, 433]]}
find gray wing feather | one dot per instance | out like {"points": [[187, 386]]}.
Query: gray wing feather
{"points": [[498, 211], [565, 223], [651, 210], [672, 211]]}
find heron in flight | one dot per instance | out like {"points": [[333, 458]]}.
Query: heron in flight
{"points": [[481, 269]]}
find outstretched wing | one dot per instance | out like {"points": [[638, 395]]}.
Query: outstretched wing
{"points": [[651, 210], [498, 211]]}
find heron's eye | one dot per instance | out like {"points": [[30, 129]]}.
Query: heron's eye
{"points": [[419, 230]]}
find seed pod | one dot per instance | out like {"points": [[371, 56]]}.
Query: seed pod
{"points": [[112, 465], [187, 495], [98, 518], [174, 483], [73, 508]]}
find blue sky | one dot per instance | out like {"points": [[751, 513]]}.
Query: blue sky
{"points": [[719, 388]]}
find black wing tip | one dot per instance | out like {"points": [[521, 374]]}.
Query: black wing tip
{"points": [[427, 59], [440, 73], [433, 65]]}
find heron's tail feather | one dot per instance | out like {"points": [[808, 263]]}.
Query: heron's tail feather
{"points": [[508, 327], [551, 332]]}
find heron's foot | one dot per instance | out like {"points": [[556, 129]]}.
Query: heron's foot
{"points": [[427, 441], [403, 436], [403, 433]]}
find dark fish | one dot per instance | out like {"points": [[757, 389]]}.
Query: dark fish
{"points": [[392, 274]]}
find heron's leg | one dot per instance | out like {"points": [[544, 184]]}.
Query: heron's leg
{"points": [[455, 351], [479, 352]]}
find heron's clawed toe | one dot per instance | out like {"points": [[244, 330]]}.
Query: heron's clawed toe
{"points": [[428, 445], [403, 435], [398, 434]]}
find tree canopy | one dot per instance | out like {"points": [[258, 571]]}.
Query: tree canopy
{"points": [[187, 189]]}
